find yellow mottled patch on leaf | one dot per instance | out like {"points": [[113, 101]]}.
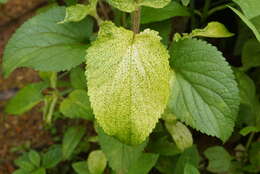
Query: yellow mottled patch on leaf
{"points": [[128, 81]]}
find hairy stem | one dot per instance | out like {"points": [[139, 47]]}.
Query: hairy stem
{"points": [[103, 10], [136, 16]]}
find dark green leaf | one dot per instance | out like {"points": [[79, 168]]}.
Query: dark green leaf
{"points": [[25, 99], [219, 159], [34, 158], [20, 171], [149, 14], [254, 154], [71, 139], [39, 171], [78, 78], [144, 164], [120, 156], [189, 156], [166, 164], [251, 54], [42, 44], [204, 93], [77, 105], [52, 157], [24, 163]]}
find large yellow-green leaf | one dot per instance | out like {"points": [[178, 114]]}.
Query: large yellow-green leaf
{"points": [[132, 5], [128, 81]]}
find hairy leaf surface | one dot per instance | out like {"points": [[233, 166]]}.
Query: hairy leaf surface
{"points": [[44, 45], [128, 81], [204, 92]]}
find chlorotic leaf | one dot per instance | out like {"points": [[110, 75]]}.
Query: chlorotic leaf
{"points": [[77, 105], [96, 162], [128, 81], [204, 92], [78, 12], [120, 156], [26, 98], [190, 169], [173, 9], [44, 45], [180, 134], [132, 5], [185, 2], [219, 159], [214, 30]]}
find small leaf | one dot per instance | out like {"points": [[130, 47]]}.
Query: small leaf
{"points": [[144, 164], [180, 134], [96, 162], [78, 12], [77, 105], [39, 171], [132, 5], [190, 169], [249, 129], [78, 78], [34, 158], [214, 30], [251, 54], [81, 167], [173, 9], [204, 93], [120, 156], [25, 99], [71, 139], [247, 89], [254, 154], [20, 171], [163, 147], [44, 45], [52, 157], [133, 73], [219, 159], [189, 156], [24, 163], [185, 2]]}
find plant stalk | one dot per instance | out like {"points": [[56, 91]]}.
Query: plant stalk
{"points": [[136, 17]]}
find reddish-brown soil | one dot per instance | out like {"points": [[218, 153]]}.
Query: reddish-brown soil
{"points": [[27, 129]]}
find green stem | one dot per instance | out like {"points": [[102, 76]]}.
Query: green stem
{"points": [[52, 107], [205, 10], [218, 8], [136, 17], [249, 141]]}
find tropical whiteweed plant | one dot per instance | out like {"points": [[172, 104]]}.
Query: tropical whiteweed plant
{"points": [[134, 78]]}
